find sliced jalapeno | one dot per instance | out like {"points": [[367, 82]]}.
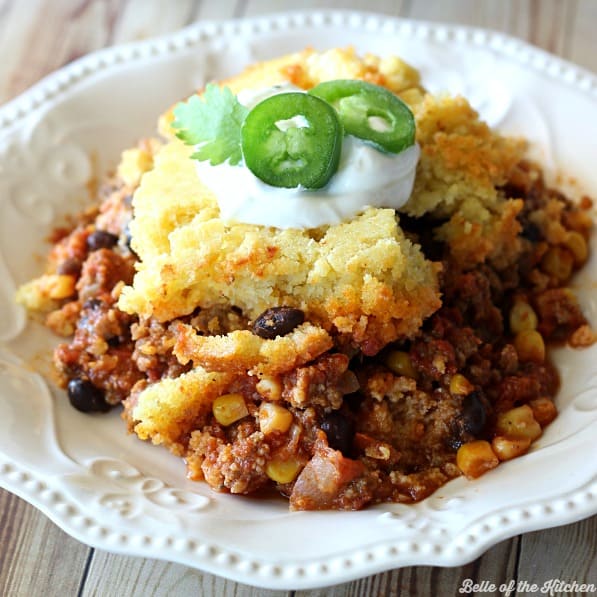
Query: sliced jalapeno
{"points": [[292, 139], [370, 112]]}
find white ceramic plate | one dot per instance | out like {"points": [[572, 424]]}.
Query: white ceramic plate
{"points": [[112, 491]]}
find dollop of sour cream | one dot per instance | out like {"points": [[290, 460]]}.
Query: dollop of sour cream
{"points": [[366, 177]]}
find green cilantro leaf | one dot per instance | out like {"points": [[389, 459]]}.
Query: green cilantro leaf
{"points": [[212, 122]]}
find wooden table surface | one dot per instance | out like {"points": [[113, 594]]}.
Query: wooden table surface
{"points": [[37, 558]]}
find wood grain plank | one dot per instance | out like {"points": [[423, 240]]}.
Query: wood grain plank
{"points": [[52, 35], [581, 47], [140, 19], [218, 10], [552, 29], [465, 12], [34, 550], [567, 553], [13, 23], [136, 577], [258, 7]]}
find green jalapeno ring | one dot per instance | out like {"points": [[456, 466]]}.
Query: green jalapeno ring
{"points": [[292, 140], [370, 112]]}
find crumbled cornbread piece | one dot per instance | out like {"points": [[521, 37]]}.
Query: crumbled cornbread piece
{"points": [[166, 410], [43, 293], [241, 351], [462, 160]]}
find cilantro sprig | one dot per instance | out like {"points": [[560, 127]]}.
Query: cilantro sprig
{"points": [[212, 122]]}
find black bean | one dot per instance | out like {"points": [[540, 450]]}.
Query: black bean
{"points": [[354, 400], [92, 303], [70, 267], [277, 321], [474, 413], [101, 239], [114, 341], [531, 232], [339, 430], [86, 397], [454, 439]]}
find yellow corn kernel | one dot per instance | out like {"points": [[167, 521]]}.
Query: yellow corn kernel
{"points": [[273, 417], [581, 221], [557, 263], [530, 346], [460, 385], [398, 362], [582, 337], [270, 388], [506, 447], [518, 422], [59, 286], [283, 470], [229, 408], [575, 242], [522, 317], [544, 410], [476, 458]]}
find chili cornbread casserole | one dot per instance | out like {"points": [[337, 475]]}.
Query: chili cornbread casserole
{"points": [[366, 361]]}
